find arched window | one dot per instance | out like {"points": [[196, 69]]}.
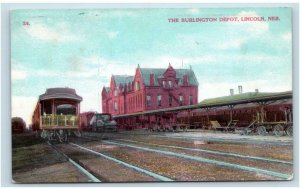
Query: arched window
{"points": [[137, 86]]}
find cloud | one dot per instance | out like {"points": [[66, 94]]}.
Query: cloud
{"points": [[193, 11], [220, 58], [251, 28], [58, 33], [18, 74], [23, 106], [102, 13], [287, 36], [231, 44], [217, 89], [112, 35], [177, 62]]}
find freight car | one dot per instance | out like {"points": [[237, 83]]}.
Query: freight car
{"points": [[85, 118], [56, 115], [252, 112]]}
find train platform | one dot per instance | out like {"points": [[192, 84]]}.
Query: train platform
{"points": [[217, 136]]}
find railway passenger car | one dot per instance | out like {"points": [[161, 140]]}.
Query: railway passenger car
{"points": [[56, 115]]}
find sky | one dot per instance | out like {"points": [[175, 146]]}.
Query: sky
{"points": [[81, 49]]}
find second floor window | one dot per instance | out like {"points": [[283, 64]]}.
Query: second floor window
{"points": [[180, 100], [115, 106], [115, 92], [159, 100], [170, 84], [164, 84], [190, 100], [148, 102], [170, 100]]}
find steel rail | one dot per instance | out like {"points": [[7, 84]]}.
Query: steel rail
{"points": [[214, 152], [205, 160], [79, 167], [150, 173]]}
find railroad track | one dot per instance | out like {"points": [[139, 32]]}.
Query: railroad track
{"points": [[208, 160], [76, 165], [93, 178], [141, 170], [214, 152], [205, 160]]}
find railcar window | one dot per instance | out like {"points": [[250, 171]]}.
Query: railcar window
{"points": [[65, 109]]}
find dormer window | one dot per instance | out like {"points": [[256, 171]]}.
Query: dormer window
{"points": [[164, 84], [115, 92]]}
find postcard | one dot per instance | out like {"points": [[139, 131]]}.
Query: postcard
{"points": [[137, 95]]}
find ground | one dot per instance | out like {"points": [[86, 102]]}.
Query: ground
{"points": [[35, 161]]}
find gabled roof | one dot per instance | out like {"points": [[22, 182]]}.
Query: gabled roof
{"points": [[107, 89], [122, 79], [158, 73]]}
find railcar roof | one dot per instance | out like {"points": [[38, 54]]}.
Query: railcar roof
{"points": [[63, 93]]}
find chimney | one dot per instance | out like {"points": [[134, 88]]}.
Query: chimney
{"points": [[151, 79], [185, 80], [240, 89], [256, 90], [231, 92]]}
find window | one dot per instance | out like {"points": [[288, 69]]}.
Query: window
{"points": [[170, 84], [170, 100], [159, 100], [115, 106], [115, 92], [180, 100], [164, 84], [148, 101], [190, 100], [137, 86]]}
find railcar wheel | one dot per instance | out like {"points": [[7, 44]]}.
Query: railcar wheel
{"points": [[261, 130], [289, 131], [278, 130]]}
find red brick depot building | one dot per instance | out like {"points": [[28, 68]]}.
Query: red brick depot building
{"points": [[150, 89]]}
